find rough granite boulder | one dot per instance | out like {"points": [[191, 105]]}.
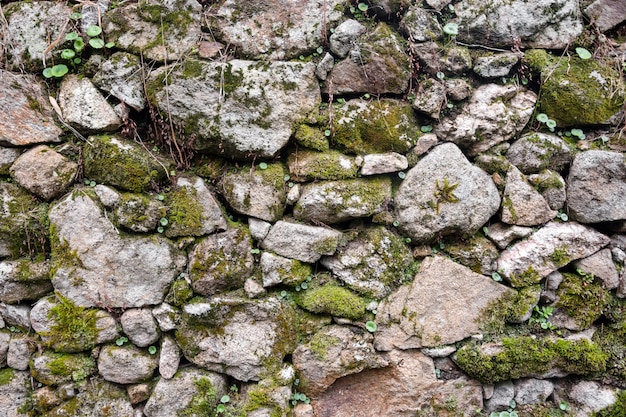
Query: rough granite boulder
{"points": [[536, 151], [302, 242], [24, 280], [126, 364], [239, 109], [14, 393], [120, 76], [522, 204], [98, 398], [444, 194]]}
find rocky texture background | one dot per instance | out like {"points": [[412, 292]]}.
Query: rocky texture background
{"points": [[312, 208]]}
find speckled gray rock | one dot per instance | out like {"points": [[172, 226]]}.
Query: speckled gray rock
{"points": [[338, 201], [15, 393], [20, 349], [302, 242], [173, 396], [51, 368], [169, 357], [551, 247], [84, 107], [372, 262], [522, 205], [27, 115], [495, 65], [601, 265], [503, 393], [253, 101], [16, 314], [551, 186], [126, 364], [532, 391], [166, 316], [420, 25], [24, 280], [345, 351], [431, 311], [344, 36], [494, 114], [596, 189], [593, 395], [606, 14], [98, 397], [140, 327], [550, 24], [277, 269], [451, 60], [536, 151], [120, 75], [383, 163], [137, 212], [502, 234], [4, 348], [443, 194], [44, 172], [430, 98], [7, 157]]}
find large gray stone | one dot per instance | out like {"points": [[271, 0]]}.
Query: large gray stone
{"points": [[443, 305], [14, 394], [121, 76], [240, 109], [302, 242], [24, 280], [522, 205], [444, 194], [344, 36], [536, 151], [126, 364], [140, 327], [95, 266], [606, 14]]}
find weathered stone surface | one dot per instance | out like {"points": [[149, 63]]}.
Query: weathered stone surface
{"points": [[277, 269], [532, 391], [65, 327], [477, 253], [343, 38], [24, 280], [237, 109], [372, 262], [166, 316], [20, 349], [450, 60], [44, 172], [364, 127], [121, 76], [503, 394], [596, 189], [383, 163], [239, 337], [435, 310], [27, 115], [338, 201], [536, 151], [443, 194], [192, 209], [171, 397], [7, 157], [377, 64], [221, 262], [136, 212], [140, 327], [84, 107], [430, 97], [334, 352], [161, 30], [256, 192], [494, 114], [601, 265], [551, 247], [169, 357], [14, 393], [258, 228], [496, 65], [98, 398], [606, 14], [51, 368], [275, 30], [105, 268], [306, 165], [126, 364], [16, 315], [29, 29], [302, 242], [5, 338], [522, 205], [592, 395], [551, 185], [549, 24], [419, 25]]}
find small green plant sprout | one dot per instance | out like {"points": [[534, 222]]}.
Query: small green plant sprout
{"points": [[57, 71], [255, 251], [564, 406], [263, 165], [221, 407], [440, 75], [402, 175], [583, 53], [578, 133], [371, 326], [543, 118], [299, 397], [562, 216], [444, 193], [587, 278], [496, 276], [152, 350], [451, 29], [327, 132], [283, 294], [426, 129], [121, 340], [541, 316]]}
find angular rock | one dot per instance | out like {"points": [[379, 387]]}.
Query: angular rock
{"points": [[140, 327], [532, 391], [383, 163], [94, 266], [277, 269], [551, 186], [126, 364], [258, 228], [192, 209], [444, 194], [256, 192], [51, 368], [457, 89], [324, 296], [18, 355], [169, 357], [160, 30], [553, 24], [425, 143], [494, 114], [5, 338], [136, 212], [503, 394], [522, 205], [239, 337], [44, 172], [121, 76], [477, 253], [536, 151], [136, 171], [98, 398], [24, 280], [65, 327], [343, 38], [188, 387], [419, 25], [7, 157], [237, 109], [27, 115], [222, 261], [274, 30], [302, 242], [496, 65], [14, 394], [373, 262], [306, 165], [334, 352], [551, 247], [433, 311], [450, 60], [377, 64], [84, 107], [430, 98], [338, 201], [167, 317], [596, 189], [366, 127], [593, 395], [606, 14], [16, 315], [324, 67], [29, 29], [601, 265]]}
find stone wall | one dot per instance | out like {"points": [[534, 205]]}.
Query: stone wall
{"points": [[312, 208]]}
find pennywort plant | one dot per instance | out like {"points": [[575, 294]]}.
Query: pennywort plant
{"points": [[544, 119]]}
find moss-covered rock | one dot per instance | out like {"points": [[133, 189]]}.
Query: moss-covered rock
{"points": [[580, 302], [332, 299], [97, 398], [311, 137], [306, 165], [138, 212], [52, 368]]}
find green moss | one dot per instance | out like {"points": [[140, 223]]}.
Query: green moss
{"points": [[538, 59], [529, 277], [311, 137], [180, 292], [611, 339], [329, 165], [185, 213], [524, 356], [332, 299], [73, 327], [560, 256], [321, 342], [71, 367], [507, 204], [6, 376], [203, 403], [582, 301]]}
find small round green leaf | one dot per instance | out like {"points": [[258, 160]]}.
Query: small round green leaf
{"points": [[451, 29], [94, 30], [542, 117], [59, 70], [47, 72], [551, 124], [583, 53], [76, 15], [79, 44], [371, 326], [67, 54], [163, 221], [152, 350], [71, 36], [109, 45], [263, 165], [363, 7], [224, 399], [96, 43]]}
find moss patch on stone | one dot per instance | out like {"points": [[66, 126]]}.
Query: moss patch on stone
{"points": [[73, 327], [582, 301], [332, 299], [184, 213], [6, 376]]}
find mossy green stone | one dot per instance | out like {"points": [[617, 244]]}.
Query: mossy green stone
{"points": [[582, 301], [334, 300]]}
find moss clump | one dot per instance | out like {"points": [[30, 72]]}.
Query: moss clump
{"points": [[321, 342], [582, 301], [538, 59], [560, 256], [525, 356], [74, 328], [611, 339], [330, 165], [334, 300], [180, 292], [68, 367], [203, 403], [185, 213], [311, 137], [529, 277], [6, 376]]}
